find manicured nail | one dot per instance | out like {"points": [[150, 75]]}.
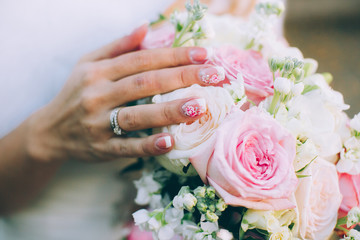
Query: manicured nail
{"points": [[194, 107], [198, 55], [212, 75], [163, 142]]}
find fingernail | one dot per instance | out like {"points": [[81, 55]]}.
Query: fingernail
{"points": [[198, 55], [212, 75], [163, 142], [194, 107]]}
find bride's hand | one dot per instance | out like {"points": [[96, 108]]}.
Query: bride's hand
{"points": [[76, 125]]}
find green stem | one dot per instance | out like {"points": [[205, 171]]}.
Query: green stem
{"points": [[163, 216], [241, 233], [274, 102], [187, 27]]}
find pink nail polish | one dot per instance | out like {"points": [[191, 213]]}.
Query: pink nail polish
{"points": [[198, 55], [194, 107], [163, 142], [212, 75]]}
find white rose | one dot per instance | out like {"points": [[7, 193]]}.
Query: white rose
{"points": [[190, 138], [318, 199], [350, 157]]}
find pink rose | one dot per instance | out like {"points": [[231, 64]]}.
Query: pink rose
{"points": [[350, 189], [137, 234], [254, 68], [160, 37], [318, 199], [250, 162]]}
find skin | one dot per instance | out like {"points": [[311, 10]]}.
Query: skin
{"points": [[75, 124]]}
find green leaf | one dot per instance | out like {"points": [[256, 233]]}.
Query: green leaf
{"points": [[309, 88], [179, 27], [302, 176], [302, 169], [160, 19]]}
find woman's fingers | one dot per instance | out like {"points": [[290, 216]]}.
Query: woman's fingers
{"points": [[161, 81], [146, 60], [162, 114], [139, 147], [123, 45]]}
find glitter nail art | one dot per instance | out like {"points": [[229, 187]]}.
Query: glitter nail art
{"points": [[195, 107], [212, 75]]}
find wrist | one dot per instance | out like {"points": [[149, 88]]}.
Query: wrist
{"points": [[40, 144]]}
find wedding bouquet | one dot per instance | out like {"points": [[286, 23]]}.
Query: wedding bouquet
{"points": [[273, 157]]}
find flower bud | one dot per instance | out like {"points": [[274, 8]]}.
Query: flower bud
{"points": [[201, 206], [282, 85], [221, 205], [200, 192], [212, 208], [210, 216], [273, 64], [289, 66], [298, 73], [210, 192], [189, 201]]}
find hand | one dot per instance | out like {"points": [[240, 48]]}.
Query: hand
{"points": [[75, 125]]}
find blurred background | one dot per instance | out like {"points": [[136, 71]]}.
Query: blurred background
{"points": [[329, 31]]}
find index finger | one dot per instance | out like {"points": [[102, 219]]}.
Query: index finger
{"points": [[152, 59]]}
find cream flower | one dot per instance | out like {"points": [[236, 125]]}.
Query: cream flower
{"points": [[190, 138], [350, 157]]}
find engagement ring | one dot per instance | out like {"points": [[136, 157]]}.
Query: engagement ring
{"points": [[114, 124]]}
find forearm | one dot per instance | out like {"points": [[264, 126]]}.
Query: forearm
{"points": [[22, 175]]}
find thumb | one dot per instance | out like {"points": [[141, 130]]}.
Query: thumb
{"points": [[120, 46]]}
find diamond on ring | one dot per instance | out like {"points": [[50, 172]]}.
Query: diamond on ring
{"points": [[114, 124]]}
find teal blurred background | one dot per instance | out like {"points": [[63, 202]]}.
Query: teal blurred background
{"points": [[329, 31]]}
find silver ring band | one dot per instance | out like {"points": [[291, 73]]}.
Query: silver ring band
{"points": [[114, 124]]}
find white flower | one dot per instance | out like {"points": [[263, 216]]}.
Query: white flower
{"points": [[318, 199], [270, 221], [165, 233], [237, 90], [224, 234], [146, 187], [305, 153], [297, 89], [173, 217], [353, 216], [141, 217], [350, 157], [282, 85], [355, 122], [191, 138], [352, 235], [282, 233]]}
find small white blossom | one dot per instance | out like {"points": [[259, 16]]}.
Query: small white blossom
{"points": [[165, 233], [282, 85], [350, 157], [355, 122], [353, 216], [352, 235], [146, 187], [173, 217], [224, 234], [141, 217]]}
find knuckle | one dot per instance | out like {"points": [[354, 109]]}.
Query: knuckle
{"points": [[92, 74], [142, 60], [89, 102], [128, 119], [175, 56], [167, 113], [182, 78]]}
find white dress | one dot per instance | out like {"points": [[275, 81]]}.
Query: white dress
{"points": [[40, 41]]}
